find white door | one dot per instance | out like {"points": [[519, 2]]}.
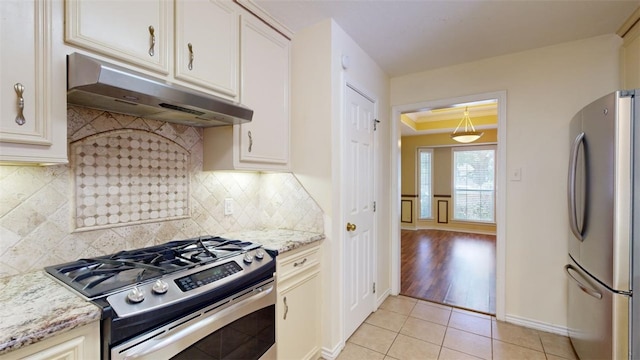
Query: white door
{"points": [[358, 221]]}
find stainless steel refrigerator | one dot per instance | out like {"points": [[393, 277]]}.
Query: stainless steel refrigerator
{"points": [[604, 236]]}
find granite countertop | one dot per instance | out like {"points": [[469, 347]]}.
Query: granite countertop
{"points": [[34, 307], [280, 240]]}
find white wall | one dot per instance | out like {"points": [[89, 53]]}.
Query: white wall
{"points": [[366, 76], [545, 88], [318, 81], [311, 112]]}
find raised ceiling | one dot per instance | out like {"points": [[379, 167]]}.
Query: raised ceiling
{"points": [[483, 115], [405, 37]]}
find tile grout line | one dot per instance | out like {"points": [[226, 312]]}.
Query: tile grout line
{"points": [[492, 337]]}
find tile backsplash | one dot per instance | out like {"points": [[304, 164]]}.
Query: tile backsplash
{"points": [[134, 182], [128, 177]]}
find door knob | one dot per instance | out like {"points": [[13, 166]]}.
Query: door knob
{"points": [[351, 227]]}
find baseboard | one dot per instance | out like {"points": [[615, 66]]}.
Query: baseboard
{"points": [[382, 298], [331, 354], [537, 325]]}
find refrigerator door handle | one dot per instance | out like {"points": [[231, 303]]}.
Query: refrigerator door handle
{"points": [[573, 166], [592, 292]]}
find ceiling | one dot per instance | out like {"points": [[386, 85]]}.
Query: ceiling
{"points": [[405, 37], [483, 115]]}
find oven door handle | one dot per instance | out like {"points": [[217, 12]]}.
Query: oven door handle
{"points": [[200, 322]]}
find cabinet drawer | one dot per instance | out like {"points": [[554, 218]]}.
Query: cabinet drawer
{"points": [[290, 265]]}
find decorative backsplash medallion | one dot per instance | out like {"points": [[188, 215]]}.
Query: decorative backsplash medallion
{"points": [[129, 176]]}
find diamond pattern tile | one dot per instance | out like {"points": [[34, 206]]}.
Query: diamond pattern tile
{"points": [[134, 182]]}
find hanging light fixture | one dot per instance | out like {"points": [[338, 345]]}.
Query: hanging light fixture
{"points": [[469, 134]]}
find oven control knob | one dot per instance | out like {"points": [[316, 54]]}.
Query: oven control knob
{"points": [[259, 254], [135, 295], [160, 287], [248, 258]]}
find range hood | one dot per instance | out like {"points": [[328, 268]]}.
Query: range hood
{"points": [[97, 84]]}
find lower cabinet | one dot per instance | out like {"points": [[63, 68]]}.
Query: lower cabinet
{"points": [[81, 343], [298, 308]]}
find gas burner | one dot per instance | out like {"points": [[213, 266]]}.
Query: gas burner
{"points": [[99, 276], [144, 292]]}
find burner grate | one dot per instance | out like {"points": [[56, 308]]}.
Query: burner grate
{"points": [[97, 276]]}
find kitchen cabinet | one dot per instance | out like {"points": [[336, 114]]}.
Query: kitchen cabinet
{"points": [[207, 43], [262, 144], [33, 118], [142, 32], [220, 47], [76, 344], [137, 32], [298, 307], [630, 53]]}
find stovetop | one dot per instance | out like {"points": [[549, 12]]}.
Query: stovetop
{"points": [[100, 276]]}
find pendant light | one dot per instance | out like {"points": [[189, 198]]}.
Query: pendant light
{"points": [[469, 134]]}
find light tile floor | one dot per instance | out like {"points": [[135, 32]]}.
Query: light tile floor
{"points": [[405, 328]]}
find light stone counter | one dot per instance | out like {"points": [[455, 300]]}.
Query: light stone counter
{"points": [[34, 307], [280, 240]]}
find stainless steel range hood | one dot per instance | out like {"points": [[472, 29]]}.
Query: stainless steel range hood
{"points": [[97, 84]]}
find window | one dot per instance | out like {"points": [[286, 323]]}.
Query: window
{"points": [[474, 183], [425, 171]]}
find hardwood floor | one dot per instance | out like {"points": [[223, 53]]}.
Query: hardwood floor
{"points": [[453, 268]]}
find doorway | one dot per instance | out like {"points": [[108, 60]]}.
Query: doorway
{"points": [[457, 237], [449, 267]]}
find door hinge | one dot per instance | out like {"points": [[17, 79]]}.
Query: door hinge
{"points": [[375, 124], [374, 206], [374, 288]]}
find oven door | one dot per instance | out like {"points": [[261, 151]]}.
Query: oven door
{"points": [[239, 327]]}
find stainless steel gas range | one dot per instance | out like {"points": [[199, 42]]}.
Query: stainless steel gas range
{"points": [[200, 298]]}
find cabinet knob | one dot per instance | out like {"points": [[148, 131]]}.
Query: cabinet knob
{"points": [[351, 227], [152, 49], [19, 88], [250, 140]]}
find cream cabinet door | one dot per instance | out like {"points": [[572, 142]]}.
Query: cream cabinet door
{"points": [[81, 343], [207, 44], [137, 31], [32, 84], [264, 65], [630, 53], [297, 326], [298, 308]]}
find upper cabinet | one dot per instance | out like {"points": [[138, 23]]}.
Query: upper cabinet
{"points": [[142, 34], [631, 57], [264, 62], [630, 51], [263, 143], [137, 32], [206, 51], [32, 82], [217, 46]]}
